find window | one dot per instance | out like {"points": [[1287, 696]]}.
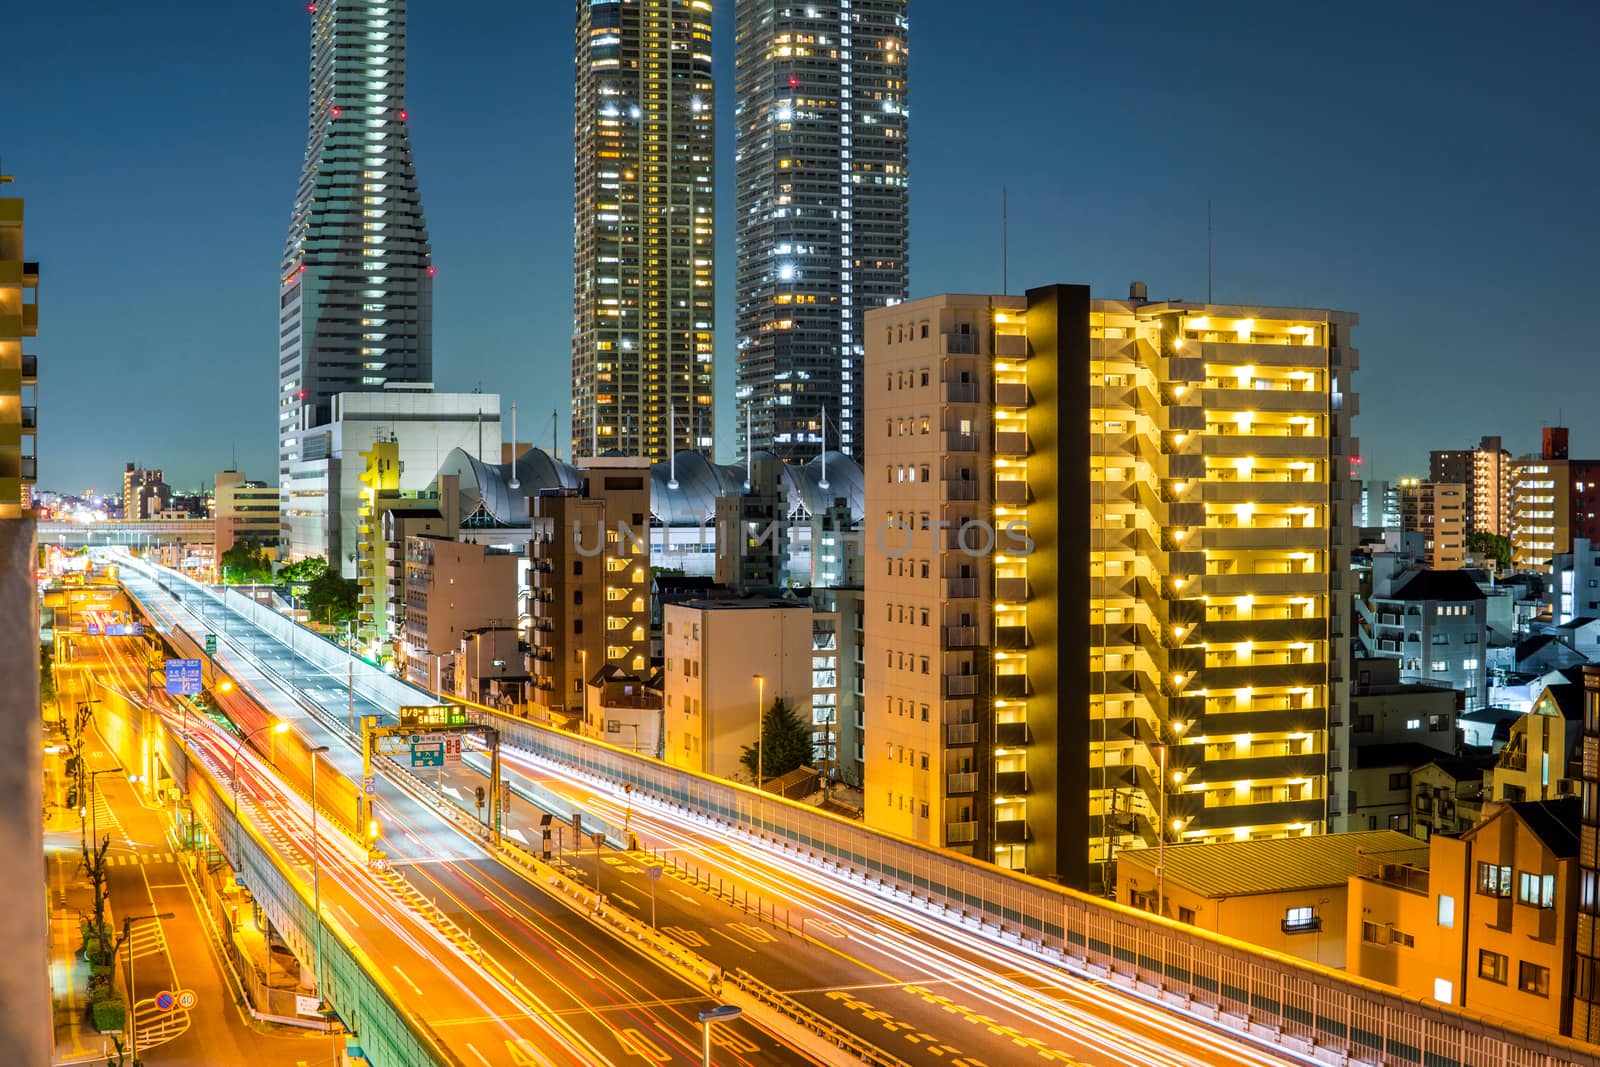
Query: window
{"points": [[1400, 781], [1469, 664], [1186, 915], [1539, 890], [1401, 938], [1300, 920], [1447, 911], [1494, 881], [1374, 933], [1440, 666], [1491, 965], [1413, 724], [1444, 991], [1532, 978]]}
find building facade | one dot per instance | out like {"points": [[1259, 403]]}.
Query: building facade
{"points": [[644, 254], [1434, 623], [821, 230], [589, 583], [1486, 471], [1437, 511], [145, 494], [1554, 501], [453, 588], [1182, 681], [19, 371], [355, 296], [246, 511]]}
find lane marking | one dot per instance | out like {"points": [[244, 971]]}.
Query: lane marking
{"points": [[407, 977], [470, 1048]]}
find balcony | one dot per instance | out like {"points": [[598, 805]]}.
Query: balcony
{"points": [[955, 441], [960, 734], [1012, 734], [1011, 832], [30, 370], [1012, 783], [1301, 926], [960, 685], [961, 392], [30, 468], [1014, 590], [1010, 443], [958, 344], [30, 418], [1012, 492], [961, 637], [1011, 395], [1013, 686], [1012, 638], [960, 833], [960, 489], [960, 588], [960, 784]]}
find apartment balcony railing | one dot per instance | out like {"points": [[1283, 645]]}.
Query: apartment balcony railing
{"points": [[1012, 734], [30, 369], [961, 392], [955, 441], [30, 418], [957, 734], [960, 833], [1011, 783], [960, 489], [960, 685], [961, 636], [1011, 831], [960, 588], [961, 783], [959, 344]]}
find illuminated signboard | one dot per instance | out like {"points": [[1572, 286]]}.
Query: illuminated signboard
{"points": [[434, 715]]}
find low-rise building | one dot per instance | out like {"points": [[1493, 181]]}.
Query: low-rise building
{"points": [[1486, 923], [1447, 795], [1287, 894], [1431, 621], [1384, 710], [1380, 784], [1538, 760], [452, 590]]}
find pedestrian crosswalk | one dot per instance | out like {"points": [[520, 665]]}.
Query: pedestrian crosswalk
{"points": [[134, 859]]}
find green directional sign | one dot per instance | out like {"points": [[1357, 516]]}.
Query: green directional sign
{"points": [[428, 755], [211, 644]]}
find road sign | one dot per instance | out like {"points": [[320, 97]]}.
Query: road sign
{"points": [[653, 873], [165, 1001], [183, 677], [369, 785], [433, 715], [452, 749], [187, 998], [721, 1013], [307, 1005], [427, 755], [211, 644]]}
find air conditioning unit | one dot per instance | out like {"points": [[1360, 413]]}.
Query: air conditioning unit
{"points": [[1569, 787]]}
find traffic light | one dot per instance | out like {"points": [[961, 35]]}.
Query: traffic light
{"points": [[372, 830], [480, 796], [72, 796]]}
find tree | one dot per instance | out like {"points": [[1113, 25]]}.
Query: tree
{"points": [[244, 563], [1488, 544], [303, 571], [330, 597], [785, 743]]}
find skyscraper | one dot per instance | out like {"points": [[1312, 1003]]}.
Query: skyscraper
{"points": [[643, 245], [821, 223], [356, 288]]}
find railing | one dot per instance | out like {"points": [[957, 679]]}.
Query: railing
{"points": [[961, 782], [961, 733]]}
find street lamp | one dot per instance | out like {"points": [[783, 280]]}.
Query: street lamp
{"points": [[722, 1013], [92, 811], [1161, 835], [127, 931], [316, 868], [761, 726], [278, 726], [583, 682]]}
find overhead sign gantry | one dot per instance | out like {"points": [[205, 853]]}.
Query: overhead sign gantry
{"points": [[428, 736]]}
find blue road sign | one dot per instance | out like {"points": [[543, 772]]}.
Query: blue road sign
{"points": [[183, 677], [721, 1013], [428, 755], [165, 1000]]}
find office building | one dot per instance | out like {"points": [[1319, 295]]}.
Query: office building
{"points": [[644, 236], [821, 220], [19, 371], [1486, 471], [247, 512], [1105, 602], [589, 579], [355, 295], [323, 492], [1437, 511], [1377, 506]]}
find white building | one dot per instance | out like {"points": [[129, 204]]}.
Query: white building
{"points": [[322, 492]]}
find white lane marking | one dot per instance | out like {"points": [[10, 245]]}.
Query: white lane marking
{"points": [[347, 916], [407, 977], [481, 1057]]}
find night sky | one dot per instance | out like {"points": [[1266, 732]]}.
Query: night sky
{"points": [[1432, 167]]}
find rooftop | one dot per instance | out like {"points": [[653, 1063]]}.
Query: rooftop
{"points": [[1448, 586], [1279, 864]]}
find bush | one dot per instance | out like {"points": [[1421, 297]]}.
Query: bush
{"points": [[108, 1012]]}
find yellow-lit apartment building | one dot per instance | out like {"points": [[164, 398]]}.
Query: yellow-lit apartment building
{"points": [[19, 319], [1106, 546]]}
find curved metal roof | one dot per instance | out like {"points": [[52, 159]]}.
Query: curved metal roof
{"points": [[691, 502]]}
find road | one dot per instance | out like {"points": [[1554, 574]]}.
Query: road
{"points": [[527, 971], [919, 986]]}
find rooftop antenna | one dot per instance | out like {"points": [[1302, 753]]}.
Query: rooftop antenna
{"points": [[515, 484], [823, 483], [1005, 250], [1209, 251], [749, 454], [672, 449], [555, 434]]}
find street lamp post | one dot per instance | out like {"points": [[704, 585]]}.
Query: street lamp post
{"points": [[316, 867], [1161, 835], [722, 1013], [94, 810], [761, 729], [279, 726], [133, 1015], [583, 682]]}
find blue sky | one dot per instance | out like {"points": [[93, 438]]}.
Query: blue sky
{"points": [[1435, 173]]}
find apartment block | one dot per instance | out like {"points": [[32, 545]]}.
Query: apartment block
{"points": [[19, 371], [1433, 622], [1486, 471], [453, 589], [246, 511], [1554, 500], [1586, 951], [589, 583], [145, 493], [726, 662], [1437, 511], [1105, 543]]}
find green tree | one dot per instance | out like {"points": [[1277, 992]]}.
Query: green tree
{"points": [[330, 598], [1488, 544], [303, 571], [244, 563], [785, 742]]}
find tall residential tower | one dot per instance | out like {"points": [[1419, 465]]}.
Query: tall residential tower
{"points": [[356, 287], [643, 245], [821, 201]]}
